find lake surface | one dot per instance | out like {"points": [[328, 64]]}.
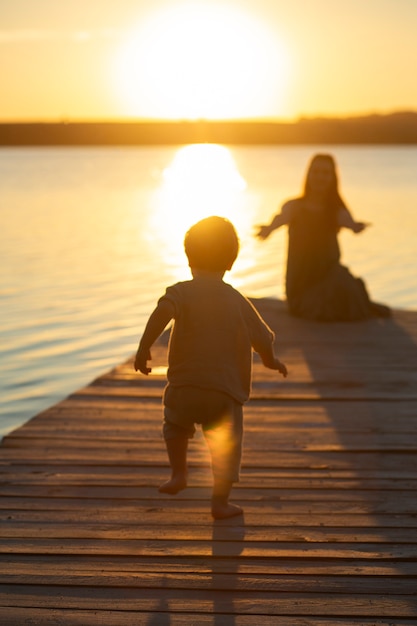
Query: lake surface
{"points": [[91, 237]]}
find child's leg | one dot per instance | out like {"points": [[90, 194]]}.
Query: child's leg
{"points": [[221, 508], [177, 454], [225, 444]]}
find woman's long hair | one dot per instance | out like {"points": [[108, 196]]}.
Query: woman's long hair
{"points": [[333, 200]]}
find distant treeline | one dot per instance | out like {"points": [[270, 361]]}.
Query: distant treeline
{"points": [[395, 128]]}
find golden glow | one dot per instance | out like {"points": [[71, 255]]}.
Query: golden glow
{"points": [[200, 60], [202, 180]]}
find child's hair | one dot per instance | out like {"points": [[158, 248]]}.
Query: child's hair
{"points": [[212, 244]]}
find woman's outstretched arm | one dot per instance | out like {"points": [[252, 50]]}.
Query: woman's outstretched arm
{"points": [[280, 219], [346, 220]]}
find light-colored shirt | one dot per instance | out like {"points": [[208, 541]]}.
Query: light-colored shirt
{"points": [[215, 329]]}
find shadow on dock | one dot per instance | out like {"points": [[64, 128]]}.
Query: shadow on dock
{"points": [[359, 380]]}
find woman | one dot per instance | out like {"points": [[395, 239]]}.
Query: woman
{"points": [[318, 287]]}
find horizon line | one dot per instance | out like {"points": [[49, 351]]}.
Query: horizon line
{"points": [[249, 120]]}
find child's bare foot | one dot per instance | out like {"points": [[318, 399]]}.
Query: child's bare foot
{"points": [[224, 510], [174, 485]]}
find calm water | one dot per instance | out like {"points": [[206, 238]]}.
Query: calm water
{"points": [[90, 238]]}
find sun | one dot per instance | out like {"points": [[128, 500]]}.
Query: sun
{"points": [[200, 60]]}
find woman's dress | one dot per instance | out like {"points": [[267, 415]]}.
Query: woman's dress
{"points": [[318, 287]]}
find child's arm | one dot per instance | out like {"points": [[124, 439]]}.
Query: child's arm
{"points": [[156, 324], [272, 362]]}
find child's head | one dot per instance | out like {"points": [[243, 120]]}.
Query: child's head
{"points": [[212, 245]]}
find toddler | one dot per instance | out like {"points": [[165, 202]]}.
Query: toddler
{"points": [[209, 360]]}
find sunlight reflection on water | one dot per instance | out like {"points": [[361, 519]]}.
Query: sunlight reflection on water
{"points": [[201, 180]]}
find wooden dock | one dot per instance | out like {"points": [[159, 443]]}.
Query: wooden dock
{"points": [[328, 486]]}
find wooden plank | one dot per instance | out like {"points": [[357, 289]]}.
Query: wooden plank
{"points": [[202, 549], [332, 443], [17, 616], [103, 565], [215, 581], [368, 478], [259, 475], [200, 477], [252, 519], [264, 425], [281, 494], [206, 602], [200, 506], [53, 531], [381, 389], [126, 456], [282, 411]]}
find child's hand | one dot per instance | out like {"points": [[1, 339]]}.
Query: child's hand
{"points": [[273, 363], [281, 367], [141, 359]]}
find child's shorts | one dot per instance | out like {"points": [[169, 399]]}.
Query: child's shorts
{"points": [[186, 406], [221, 419]]}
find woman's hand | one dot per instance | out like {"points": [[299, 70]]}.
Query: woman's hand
{"points": [[279, 220], [263, 232], [358, 227]]}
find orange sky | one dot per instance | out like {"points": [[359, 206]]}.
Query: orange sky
{"points": [[231, 59]]}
